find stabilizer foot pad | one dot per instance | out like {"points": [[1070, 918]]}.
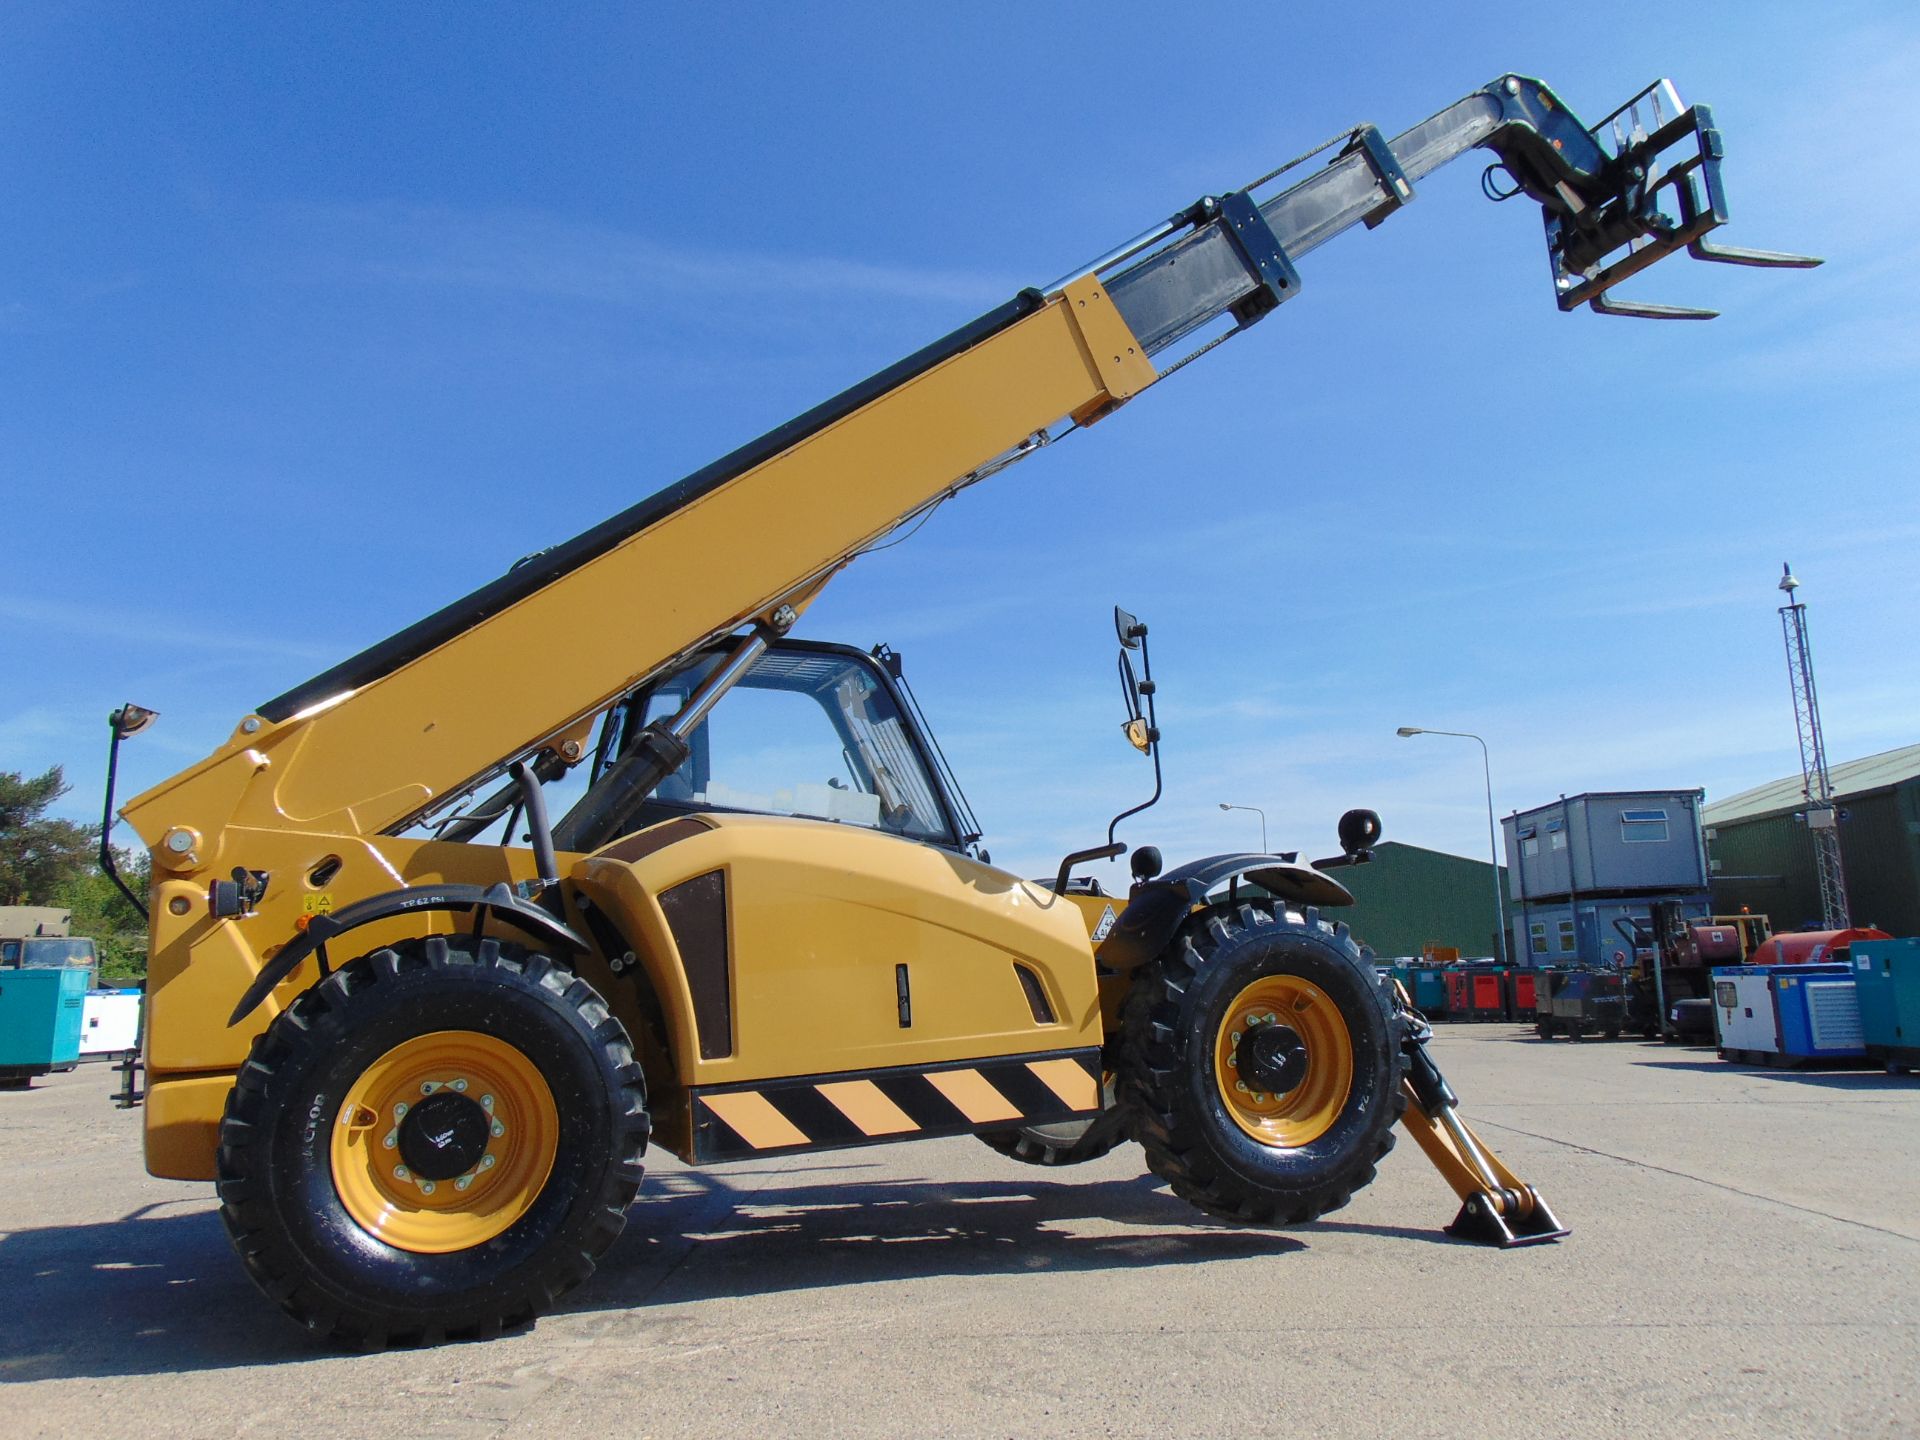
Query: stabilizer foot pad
{"points": [[1481, 1222]]}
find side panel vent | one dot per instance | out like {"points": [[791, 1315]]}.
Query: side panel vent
{"points": [[696, 912], [1036, 994]]}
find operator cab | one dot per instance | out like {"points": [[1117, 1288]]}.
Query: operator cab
{"points": [[46, 952], [813, 730]]}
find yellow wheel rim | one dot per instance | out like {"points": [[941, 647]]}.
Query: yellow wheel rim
{"points": [[515, 1129], [1304, 1113]]}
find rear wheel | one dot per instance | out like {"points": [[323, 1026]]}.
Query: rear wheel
{"points": [[1067, 1142], [1261, 1067], [436, 1141]]}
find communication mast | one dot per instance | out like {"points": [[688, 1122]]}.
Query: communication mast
{"points": [[1822, 820]]}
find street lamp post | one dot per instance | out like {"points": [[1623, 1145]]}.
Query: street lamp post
{"points": [[1263, 820], [1407, 732]]}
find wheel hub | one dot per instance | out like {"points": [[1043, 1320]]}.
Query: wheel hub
{"points": [[1272, 1058], [444, 1141], [1283, 1061], [444, 1135]]}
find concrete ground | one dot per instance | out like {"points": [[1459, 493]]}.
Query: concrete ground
{"points": [[1745, 1261]]}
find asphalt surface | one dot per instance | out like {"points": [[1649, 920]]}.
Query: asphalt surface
{"points": [[1745, 1261]]}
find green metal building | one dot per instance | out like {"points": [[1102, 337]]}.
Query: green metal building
{"points": [[1409, 897], [1761, 859]]}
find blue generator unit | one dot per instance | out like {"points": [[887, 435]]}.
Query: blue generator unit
{"points": [[1887, 973], [1787, 1014], [40, 1015]]}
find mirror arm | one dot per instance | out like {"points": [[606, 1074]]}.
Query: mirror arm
{"points": [[1080, 857], [1334, 862]]}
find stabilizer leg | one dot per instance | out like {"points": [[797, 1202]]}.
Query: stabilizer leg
{"points": [[1497, 1207]]}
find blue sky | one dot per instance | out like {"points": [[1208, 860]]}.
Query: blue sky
{"points": [[313, 320]]}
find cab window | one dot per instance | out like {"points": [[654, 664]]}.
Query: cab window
{"points": [[807, 734]]}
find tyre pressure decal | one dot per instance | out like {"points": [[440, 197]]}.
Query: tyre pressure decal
{"points": [[824, 1111]]}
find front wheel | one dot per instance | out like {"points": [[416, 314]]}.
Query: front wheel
{"points": [[1262, 1067], [437, 1140]]}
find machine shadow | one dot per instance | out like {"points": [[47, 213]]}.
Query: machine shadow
{"points": [[703, 1238], [159, 1290], [155, 1291]]}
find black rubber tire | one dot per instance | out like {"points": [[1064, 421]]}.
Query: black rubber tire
{"points": [[1173, 1103], [1070, 1142], [276, 1187]]}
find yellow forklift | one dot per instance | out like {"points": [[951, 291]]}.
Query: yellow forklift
{"points": [[422, 1034]]}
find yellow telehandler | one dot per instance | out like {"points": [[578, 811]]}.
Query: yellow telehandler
{"points": [[422, 1035]]}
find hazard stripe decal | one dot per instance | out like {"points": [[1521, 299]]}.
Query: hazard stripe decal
{"points": [[827, 1111]]}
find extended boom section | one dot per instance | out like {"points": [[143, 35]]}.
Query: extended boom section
{"points": [[767, 524]]}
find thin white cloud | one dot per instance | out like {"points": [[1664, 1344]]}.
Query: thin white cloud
{"points": [[138, 628], [535, 254]]}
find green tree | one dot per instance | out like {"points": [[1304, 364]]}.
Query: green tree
{"points": [[39, 855], [103, 915], [45, 861]]}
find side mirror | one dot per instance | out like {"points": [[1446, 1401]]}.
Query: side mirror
{"points": [[1359, 830], [1139, 728]]}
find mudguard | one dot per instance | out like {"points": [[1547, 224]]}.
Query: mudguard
{"points": [[1157, 909], [498, 900]]}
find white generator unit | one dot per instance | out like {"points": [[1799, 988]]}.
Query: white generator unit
{"points": [[1743, 1012], [110, 1023], [1787, 1014]]}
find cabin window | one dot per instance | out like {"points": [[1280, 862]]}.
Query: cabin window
{"points": [[1643, 827]]}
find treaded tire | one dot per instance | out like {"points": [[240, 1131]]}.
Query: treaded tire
{"points": [[1174, 1104], [1070, 1142], [278, 1195]]}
